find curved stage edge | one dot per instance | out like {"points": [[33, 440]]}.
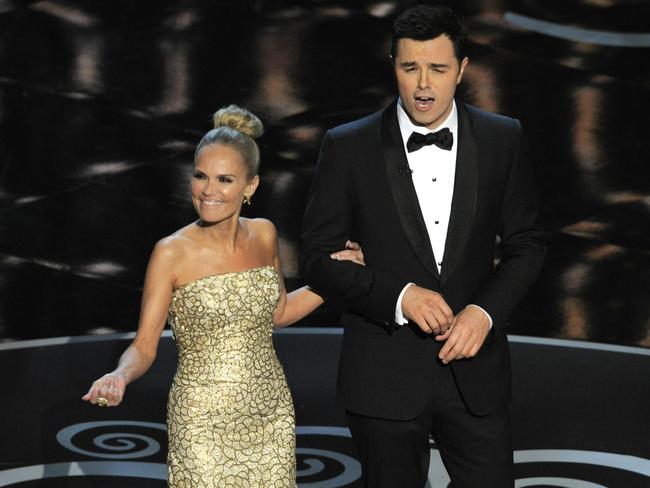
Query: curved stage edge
{"points": [[580, 414]]}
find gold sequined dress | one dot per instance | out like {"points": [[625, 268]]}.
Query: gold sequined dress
{"points": [[230, 415]]}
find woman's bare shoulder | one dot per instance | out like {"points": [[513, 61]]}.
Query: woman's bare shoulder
{"points": [[263, 235], [262, 228], [175, 245]]}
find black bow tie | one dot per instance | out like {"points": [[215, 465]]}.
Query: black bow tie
{"points": [[444, 139]]}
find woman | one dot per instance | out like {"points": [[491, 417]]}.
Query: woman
{"points": [[230, 415]]}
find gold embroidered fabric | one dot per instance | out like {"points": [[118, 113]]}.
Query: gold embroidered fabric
{"points": [[230, 414]]}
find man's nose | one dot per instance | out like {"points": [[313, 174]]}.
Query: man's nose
{"points": [[423, 80]]}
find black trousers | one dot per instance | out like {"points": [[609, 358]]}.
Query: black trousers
{"points": [[476, 451]]}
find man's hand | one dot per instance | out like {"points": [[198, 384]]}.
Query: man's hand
{"points": [[466, 336], [427, 309]]}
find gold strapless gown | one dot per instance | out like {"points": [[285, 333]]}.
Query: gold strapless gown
{"points": [[230, 415]]}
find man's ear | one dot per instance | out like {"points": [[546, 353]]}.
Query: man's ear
{"points": [[463, 65]]}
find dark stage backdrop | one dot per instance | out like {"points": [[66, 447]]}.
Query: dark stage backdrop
{"points": [[102, 103]]}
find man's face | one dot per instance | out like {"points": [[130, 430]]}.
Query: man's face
{"points": [[427, 73]]}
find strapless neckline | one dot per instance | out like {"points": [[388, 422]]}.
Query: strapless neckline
{"points": [[219, 275]]}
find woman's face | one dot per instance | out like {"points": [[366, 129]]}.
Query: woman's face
{"points": [[220, 182]]}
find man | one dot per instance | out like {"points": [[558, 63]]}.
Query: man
{"points": [[425, 350]]}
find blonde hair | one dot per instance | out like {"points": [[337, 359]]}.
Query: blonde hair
{"points": [[236, 127]]}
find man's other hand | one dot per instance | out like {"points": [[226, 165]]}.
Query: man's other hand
{"points": [[466, 336]]}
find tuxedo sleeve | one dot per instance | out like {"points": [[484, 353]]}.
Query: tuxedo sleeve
{"points": [[522, 243], [327, 225]]}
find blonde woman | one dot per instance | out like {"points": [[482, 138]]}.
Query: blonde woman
{"points": [[218, 280]]}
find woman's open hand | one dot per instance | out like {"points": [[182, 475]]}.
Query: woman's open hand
{"points": [[352, 252]]}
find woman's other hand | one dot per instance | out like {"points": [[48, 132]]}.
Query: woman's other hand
{"points": [[107, 391]]}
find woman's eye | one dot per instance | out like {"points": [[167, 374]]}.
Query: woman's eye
{"points": [[225, 179], [199, 176]]}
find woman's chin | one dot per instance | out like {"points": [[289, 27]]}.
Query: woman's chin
{"points": [[208, 219]]}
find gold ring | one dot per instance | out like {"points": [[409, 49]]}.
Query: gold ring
{"points": [[101, 402]]}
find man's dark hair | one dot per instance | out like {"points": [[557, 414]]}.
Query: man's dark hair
{"points": [[424, 22]]}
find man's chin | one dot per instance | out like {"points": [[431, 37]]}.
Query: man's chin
{"points": [[424, 121]]}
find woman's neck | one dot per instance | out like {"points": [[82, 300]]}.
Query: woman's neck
{"points": [[224, 234]]}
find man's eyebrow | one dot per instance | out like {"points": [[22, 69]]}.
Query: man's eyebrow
{"points": [[408, 64]]}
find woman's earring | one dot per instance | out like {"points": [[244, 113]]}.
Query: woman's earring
{"points": [[247, 200]]}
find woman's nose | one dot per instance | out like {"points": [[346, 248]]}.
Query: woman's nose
{"points": [[209, 188]]}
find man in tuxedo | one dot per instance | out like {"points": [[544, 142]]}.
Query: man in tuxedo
{"points": [[427, 186]]}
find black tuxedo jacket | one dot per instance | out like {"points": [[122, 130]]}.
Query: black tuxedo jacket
{"points": [[362, 190]]}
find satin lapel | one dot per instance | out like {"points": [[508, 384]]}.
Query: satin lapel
{"points": [[463, 203], [401, 185]]}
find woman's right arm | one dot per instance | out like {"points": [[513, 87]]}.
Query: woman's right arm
{"points": [[139, 356]]}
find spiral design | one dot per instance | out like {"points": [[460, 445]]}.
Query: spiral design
{"points": [[556, 482], [351, 468], [316, 461], [125, 445]]}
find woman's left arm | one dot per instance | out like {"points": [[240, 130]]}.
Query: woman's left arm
{"points": [[299, 303]]}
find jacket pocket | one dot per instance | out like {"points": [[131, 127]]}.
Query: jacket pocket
{"points": [[358, 323]]}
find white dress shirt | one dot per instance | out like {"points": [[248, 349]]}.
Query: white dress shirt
{"points": [[433, 171]]}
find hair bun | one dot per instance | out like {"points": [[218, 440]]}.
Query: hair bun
{"points": [[239, 119]]}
